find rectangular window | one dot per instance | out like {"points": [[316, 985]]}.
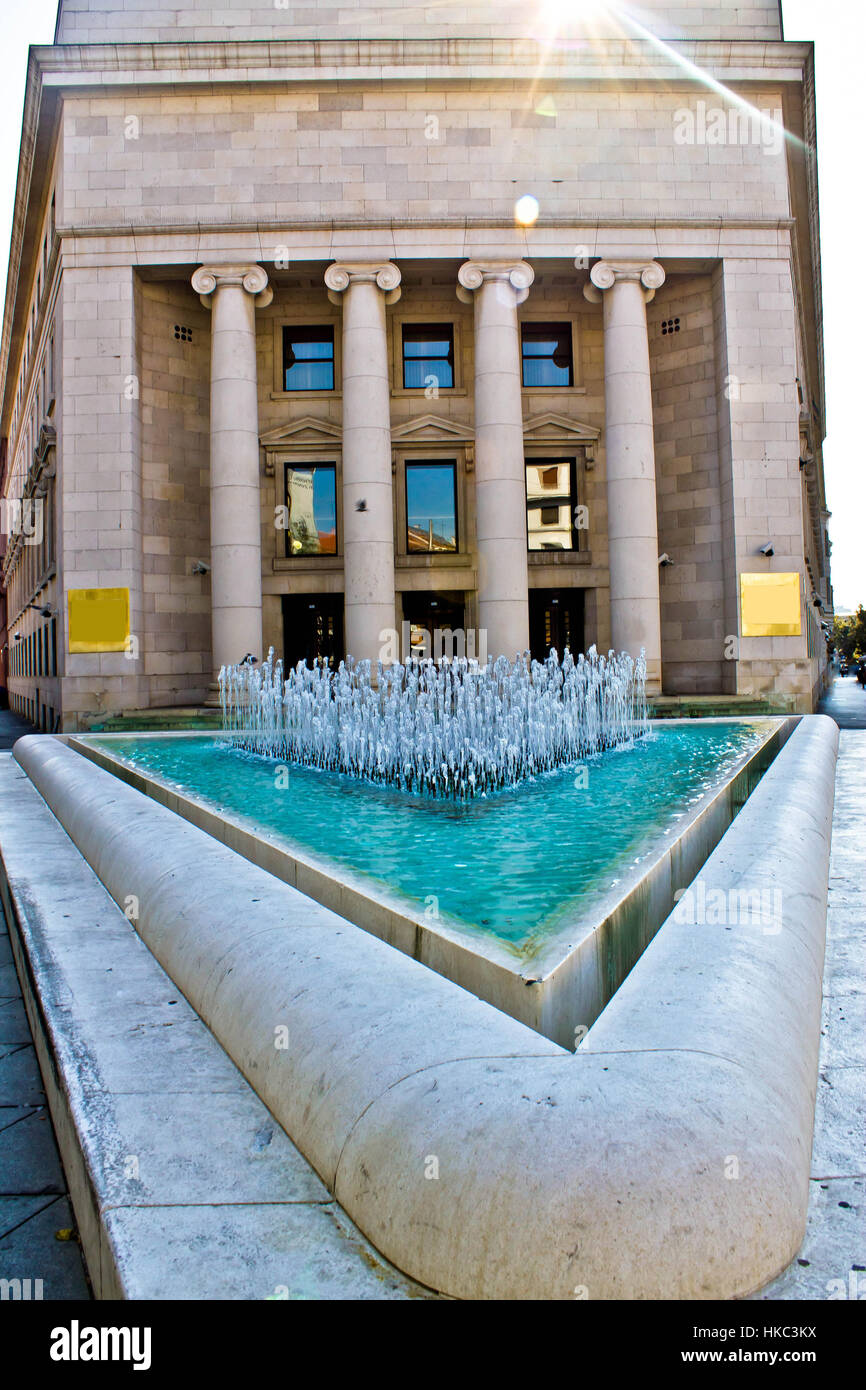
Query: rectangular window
{"points": [[311, 505], [547, 356], [551, 501], [428, 355], [431, 507], [308, 359]]}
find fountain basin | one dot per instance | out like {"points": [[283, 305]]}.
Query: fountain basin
{"points": [[600, 1174], [552, 908]]}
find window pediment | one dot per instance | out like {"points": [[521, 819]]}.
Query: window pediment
{"points": [[432, 429], [541, 429]]}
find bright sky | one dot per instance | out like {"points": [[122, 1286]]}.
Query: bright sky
{"points": [[838, 28]]}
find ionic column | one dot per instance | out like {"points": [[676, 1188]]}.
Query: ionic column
{"points": [[364, 288], [626, 287], [232, 293], [497, 288]]}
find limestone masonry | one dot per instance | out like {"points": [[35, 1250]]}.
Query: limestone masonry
{"points": [[286, 361]]}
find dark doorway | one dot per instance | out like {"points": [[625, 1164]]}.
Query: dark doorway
{"points": [[312, 629], [429, 614], [555, 620]]}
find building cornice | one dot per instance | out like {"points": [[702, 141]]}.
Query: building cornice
{"points": [[426, 60], [533, 246]]}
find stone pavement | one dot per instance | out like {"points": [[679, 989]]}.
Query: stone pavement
{"points": [[13, 727], [845, 702], [34, 1204], [832, 1260]]}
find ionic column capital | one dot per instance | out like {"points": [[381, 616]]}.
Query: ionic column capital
{"points": [[605, 274], [248, 276], [383, 274], [473, 274]]}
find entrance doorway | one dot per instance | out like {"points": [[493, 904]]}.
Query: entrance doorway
{"points": [[312, 629], [428, 614], [555, 620]]}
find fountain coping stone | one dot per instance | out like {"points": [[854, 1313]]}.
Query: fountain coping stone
{"points": [[602, 1174]]}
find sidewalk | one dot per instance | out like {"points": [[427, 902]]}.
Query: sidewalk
{"points": [[845, 702], [13, 727], [34, 1204], [832, 1261]]}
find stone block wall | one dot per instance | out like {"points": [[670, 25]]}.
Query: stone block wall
{"points": [[175, 475], [368, 152], [682, 359], [169, 21], [100, 470]]}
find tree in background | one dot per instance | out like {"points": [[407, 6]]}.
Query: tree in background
{"points": [[849, 634]]}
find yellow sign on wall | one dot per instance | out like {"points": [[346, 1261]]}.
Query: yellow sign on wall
{"points": [[98, 620], [770, 605]]}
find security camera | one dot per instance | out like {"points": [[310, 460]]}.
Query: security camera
{"points": [[665, 560], [768, 549], [200, 567]]}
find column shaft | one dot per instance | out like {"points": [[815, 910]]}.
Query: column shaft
{"points": [[630, 456], [235, 508], [368, 506], [232, 292], [500, 471]]}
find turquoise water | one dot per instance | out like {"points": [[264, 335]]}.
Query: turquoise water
{"points": [[514, 864]]}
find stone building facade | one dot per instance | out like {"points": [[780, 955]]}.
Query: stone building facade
{"points": [[287, 362]]}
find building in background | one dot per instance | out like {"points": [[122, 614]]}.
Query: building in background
{"points": [[498, 320]]}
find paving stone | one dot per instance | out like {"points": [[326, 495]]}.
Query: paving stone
{"points": [[20, 1080], [14, 1113], [28, 1157], [9, 987], [14, 1027], [835, 1244], [16, 1210], [839, 1145], [32, 1251]]}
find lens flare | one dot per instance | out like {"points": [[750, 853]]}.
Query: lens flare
{"points": [[526, 210]]}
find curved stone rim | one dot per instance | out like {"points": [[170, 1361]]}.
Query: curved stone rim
{"points": [[371, 1087]]}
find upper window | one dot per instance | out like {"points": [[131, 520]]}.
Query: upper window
{"points": [[431, 507], [311, 506], [308, 358], [550, 504], [547, 356], [428, 355]]}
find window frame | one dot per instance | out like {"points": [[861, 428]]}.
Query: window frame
{"points": [[407, 325], [419, 461], [310, 320], [575, 479], [323, 329], [457, 322], [301, 465], [537, 320]]}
